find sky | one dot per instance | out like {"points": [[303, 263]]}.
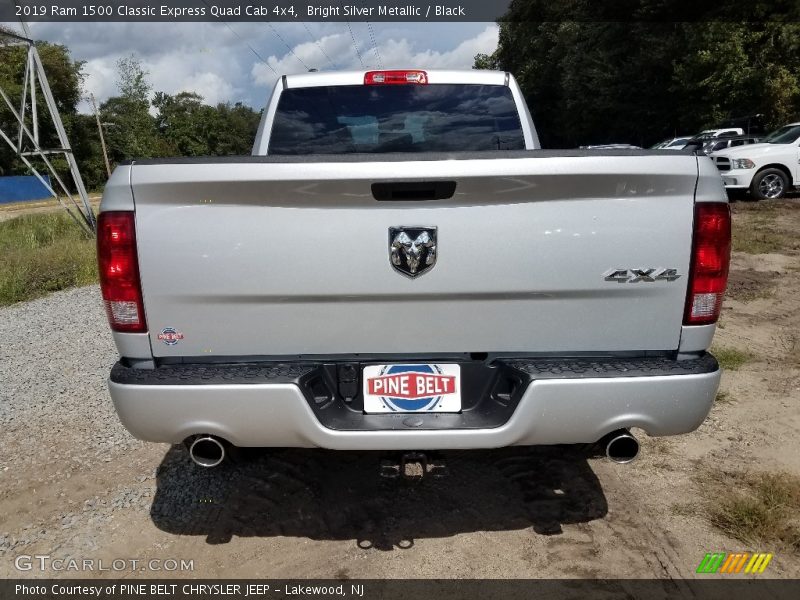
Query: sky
{"points": [[240, 62]]}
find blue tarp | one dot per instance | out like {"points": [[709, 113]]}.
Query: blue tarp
{"points": [[21, 188]]}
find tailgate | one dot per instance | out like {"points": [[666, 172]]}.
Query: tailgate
{"points": [[266, 258]]}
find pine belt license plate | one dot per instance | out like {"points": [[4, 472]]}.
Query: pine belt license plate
{"points": [[412, 388]]}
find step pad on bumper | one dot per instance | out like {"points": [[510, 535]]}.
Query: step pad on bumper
{"points": [[614, 367], [535, 368]]}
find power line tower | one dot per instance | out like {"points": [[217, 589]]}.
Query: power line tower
{"points": [[25, 141]]}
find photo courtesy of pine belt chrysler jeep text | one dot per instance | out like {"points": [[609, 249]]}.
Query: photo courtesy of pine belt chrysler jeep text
{"points": [[400, 266]]}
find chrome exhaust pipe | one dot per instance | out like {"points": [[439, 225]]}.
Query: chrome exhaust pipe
{"points": [[207, 451], [621, 446]]}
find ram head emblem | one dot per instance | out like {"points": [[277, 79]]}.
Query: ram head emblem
{"points": [[412, 250]]}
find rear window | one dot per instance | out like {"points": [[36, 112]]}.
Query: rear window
{"points": [[395, 118]]}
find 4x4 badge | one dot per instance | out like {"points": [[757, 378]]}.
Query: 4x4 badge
{"points": [[412, 250], [648, 275]]}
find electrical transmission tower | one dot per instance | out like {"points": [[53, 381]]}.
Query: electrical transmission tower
{"points": [[25, 141]]}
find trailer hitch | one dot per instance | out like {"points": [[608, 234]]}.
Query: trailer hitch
{"points": [[413, 466]]}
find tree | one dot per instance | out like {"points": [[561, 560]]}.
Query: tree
{"points": [[132, 82], [88, 152], [187, 126], [191, 128], [598, 73], [485, 61], [238, 125], [65, 77], [741, 68], [131, 128]]}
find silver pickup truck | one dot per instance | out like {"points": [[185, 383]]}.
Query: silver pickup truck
{"points": [[400, 266]]}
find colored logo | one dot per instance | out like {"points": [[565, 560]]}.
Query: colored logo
{"points": [[170, 336], [411, 387], [739, 562]]}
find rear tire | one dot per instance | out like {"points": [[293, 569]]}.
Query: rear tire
{"points": [[769, 184]]}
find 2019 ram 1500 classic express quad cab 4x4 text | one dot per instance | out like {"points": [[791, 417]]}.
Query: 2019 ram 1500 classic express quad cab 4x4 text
{"points": [[399, 266]]}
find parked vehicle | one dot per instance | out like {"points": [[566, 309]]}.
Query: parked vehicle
{"points": [[611, 147], [786, 131], [717, 133], [677, 143], [768, 169], [400, 266], [715, 145]]}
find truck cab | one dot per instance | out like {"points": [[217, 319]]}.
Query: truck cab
{"points": [[768, 169]]}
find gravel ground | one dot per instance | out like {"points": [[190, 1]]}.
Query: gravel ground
{"points": [[55, 412], [54, 346], [55, 358]]}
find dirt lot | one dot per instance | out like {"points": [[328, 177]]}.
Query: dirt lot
{"points": [[74, 484]]}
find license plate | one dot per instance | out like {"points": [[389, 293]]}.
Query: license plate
{"points": [[412, 388]]}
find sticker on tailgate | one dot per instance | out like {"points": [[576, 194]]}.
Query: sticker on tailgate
{"points": [[412, 388]]}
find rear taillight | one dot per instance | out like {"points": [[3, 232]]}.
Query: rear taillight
{"points": [[394, 77], [711, 253], [119, 271]]}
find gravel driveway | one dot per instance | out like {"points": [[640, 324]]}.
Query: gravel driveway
{"points": [[56, 418]]}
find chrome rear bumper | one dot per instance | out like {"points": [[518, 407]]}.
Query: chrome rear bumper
{"points": [[575, 408]]}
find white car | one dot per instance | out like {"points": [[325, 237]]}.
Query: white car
{"points": [[714, 133], [673, 144], [611, 147], [768, 169]]}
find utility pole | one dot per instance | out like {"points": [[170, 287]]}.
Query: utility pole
{"points": [[102, 138]]}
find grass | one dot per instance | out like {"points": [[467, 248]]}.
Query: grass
{"points": [[758, 509], [757, 236], [757, 294], [687, 509], [762, 228], [730, 359], [43, 253], [723, 398], [746, 285]]}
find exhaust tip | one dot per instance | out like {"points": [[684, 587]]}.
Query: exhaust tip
{"points": [[622, 447], [207, 451]]}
